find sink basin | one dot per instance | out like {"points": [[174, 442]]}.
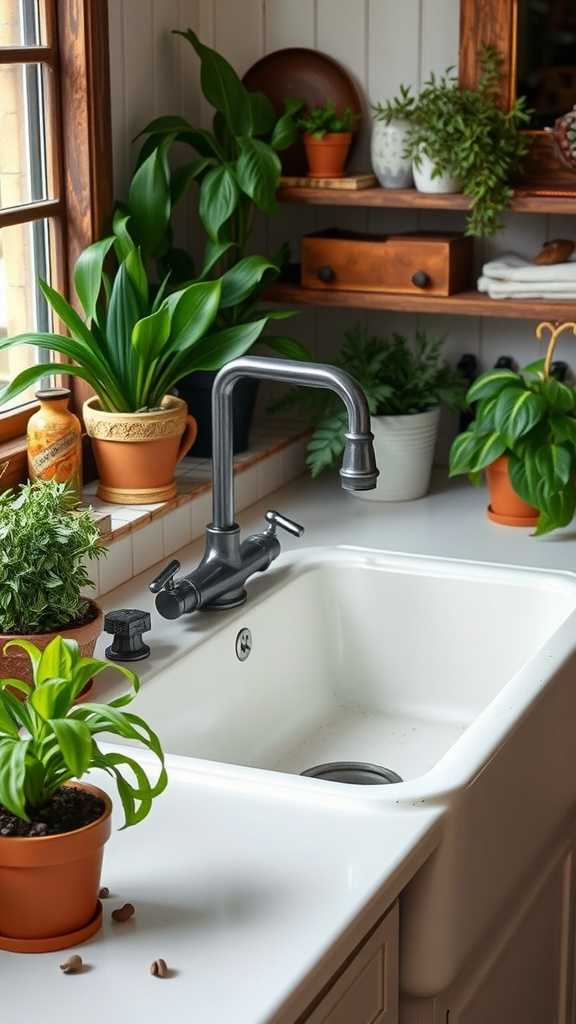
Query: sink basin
{"points": [[457, 676]]}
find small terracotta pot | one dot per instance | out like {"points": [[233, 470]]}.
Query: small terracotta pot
{"points": [[15, 663], [136, 452], [49, 886], [327, 156], [506, 507]]}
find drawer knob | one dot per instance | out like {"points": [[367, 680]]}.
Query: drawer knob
{"points": [[420, 279], [326, 274]]}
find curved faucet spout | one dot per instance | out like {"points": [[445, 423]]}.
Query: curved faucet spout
{"points": [[358, 472]]}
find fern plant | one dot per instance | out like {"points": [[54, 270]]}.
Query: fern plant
{"points": [[398, 380]]}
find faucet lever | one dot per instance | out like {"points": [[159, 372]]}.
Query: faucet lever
{"points": [[163, 581], [275, 519]]}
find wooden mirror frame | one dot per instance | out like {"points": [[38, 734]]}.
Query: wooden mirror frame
{"points": [[495, 22]]}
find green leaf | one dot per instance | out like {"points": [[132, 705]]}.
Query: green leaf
{"points": [[222, 87], [557, 511], [554, 466], [185, 174], [13, 775], [193, 313], [218, 199], [213, 351], [327, 443], [54, 697], [516, 412], [9, 726], [213, 252], [289, 348], [149, 201], [123, 242], [240, 281], [464, 451], [150, 334], [525, 477], [492, 383], [491, 449], [33, 652], [563, 429], [559, 397], [57, 660], [258, 172], [137, 274], [88, 275], [285, 133], [75, 743], [124, 311], [67, 314], [263, 113]]}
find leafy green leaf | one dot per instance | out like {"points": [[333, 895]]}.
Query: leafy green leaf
{"points": [[222, 87], [150, 334], [218, 200], [516, 412], [554, 467], [149, 201], [241, 280], [558, 397], [491, 383], [263, 113], [74, 742], [88, 275], [258, 171], [289, 348], [13, 775]]}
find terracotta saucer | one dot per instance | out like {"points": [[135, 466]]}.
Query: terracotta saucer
{"points": [[496, 517], [48, 945]]}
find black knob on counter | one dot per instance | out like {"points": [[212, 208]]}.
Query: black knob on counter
{"points": [[326, 274], [127, 626], [420, 279]]}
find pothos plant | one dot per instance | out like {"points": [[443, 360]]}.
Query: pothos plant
{"points": [[46, 739], [397, 378], [531, 418], [467, 134]]}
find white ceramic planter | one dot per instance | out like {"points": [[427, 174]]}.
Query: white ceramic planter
{"points": [[404, 447], [389, 164], [443, 183]]}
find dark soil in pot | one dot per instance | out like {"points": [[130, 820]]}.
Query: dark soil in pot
{"points": [[196, 390], [69, 809]]}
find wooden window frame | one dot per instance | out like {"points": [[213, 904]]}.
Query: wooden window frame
{"points": [[76, 54], [495, 22]]}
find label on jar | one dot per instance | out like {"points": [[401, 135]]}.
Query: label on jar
{"points": [[42, 461]]}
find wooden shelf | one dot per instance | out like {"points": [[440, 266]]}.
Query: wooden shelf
{"points": [[411, 199], [464, 304]]}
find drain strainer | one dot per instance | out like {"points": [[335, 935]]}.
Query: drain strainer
{"points": [[355, 773]]}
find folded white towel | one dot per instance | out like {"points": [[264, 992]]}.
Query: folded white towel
{"points": [[512, 267], [524, 290]]}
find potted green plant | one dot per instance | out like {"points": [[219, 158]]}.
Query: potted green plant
{"points": [[136, 342], [389, 138], [405, 387], [53, 825], [327, 139], [46, 541], [523, 437], [236, 171], [462, 140]]}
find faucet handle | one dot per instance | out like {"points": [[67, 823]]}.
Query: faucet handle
{"points": [[164, 578], [275, 519]]}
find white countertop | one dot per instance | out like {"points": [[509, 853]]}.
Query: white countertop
{"points": [[243, 889]]}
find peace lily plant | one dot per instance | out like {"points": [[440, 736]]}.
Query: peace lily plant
{"points": [[136, 341], [524, 428], [53, 828]]}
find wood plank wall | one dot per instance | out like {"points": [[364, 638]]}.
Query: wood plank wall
{"points": [[381, 43]]}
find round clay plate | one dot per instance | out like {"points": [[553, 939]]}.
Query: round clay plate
{"points": [[308, 75], [526, 521], [57, 942]]}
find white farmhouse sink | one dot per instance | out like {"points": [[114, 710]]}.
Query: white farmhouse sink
{"points": [[458, 676]]}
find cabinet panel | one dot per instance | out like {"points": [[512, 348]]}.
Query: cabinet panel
{"points": [[367, 990]]}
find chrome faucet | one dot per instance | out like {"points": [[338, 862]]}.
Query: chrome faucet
{"points": [[218, 581]]}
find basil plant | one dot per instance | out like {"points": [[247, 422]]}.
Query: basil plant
{"points": [[531, 418]]}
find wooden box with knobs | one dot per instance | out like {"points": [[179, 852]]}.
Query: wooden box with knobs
{"points": [[437, 263]]}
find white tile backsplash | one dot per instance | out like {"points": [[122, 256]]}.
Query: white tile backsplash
{"points": [[177, 528], [117, 566], [148, 545]]}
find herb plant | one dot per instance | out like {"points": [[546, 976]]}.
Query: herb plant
{"points": [[136, 342], [400, 108], [44, 543], [531, 418], [46, 740], [466, 133], [318, 121], [398, 380], [237, 167]]}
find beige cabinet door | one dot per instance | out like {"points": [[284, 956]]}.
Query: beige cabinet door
{"points": [[366, 992]]}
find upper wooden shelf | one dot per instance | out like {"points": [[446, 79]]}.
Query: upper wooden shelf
{"points": [[462, 304], [410, 198]]}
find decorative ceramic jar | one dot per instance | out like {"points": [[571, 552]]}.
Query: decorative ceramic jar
{"points": [[54, 439], [389, 164], [425, 182], [404, 448], [136, 452]]}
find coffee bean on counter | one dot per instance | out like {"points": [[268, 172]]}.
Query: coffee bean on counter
{"points": [[123, 913], [104, 893], [73, 965], [159, 968]]}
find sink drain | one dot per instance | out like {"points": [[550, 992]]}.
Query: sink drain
{"points": [[355, 773]]}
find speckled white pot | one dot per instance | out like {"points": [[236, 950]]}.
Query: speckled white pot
{"points": [[389, 164], [442, 184], [404, 448]]}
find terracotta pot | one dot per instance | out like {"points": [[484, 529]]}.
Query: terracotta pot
{"points": [[327, 156], [15, 663], [49, 886], [136, 452], [506, 507]]}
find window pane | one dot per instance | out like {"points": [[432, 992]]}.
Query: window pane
{"points": [[24, 256], [23, 174], [20, 23]]}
